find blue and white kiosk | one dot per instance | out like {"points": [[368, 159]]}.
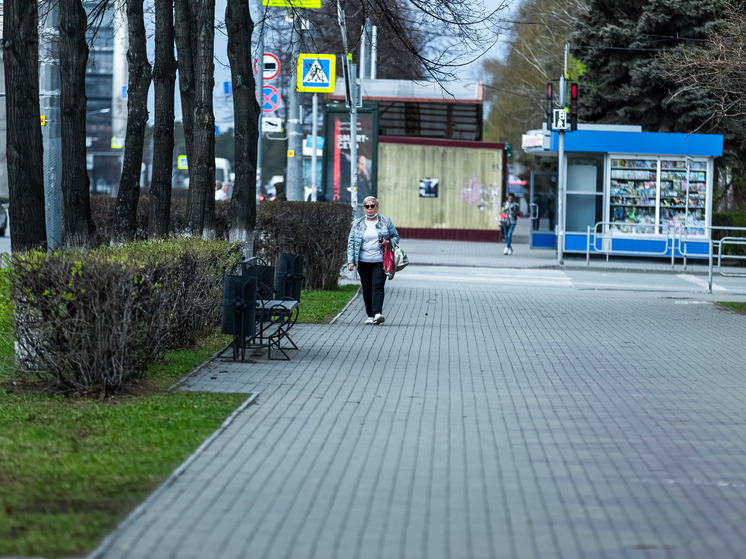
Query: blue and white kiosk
{"points": [[628, 192]]}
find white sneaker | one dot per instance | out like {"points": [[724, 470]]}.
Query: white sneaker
{"points": [[370, 320], [378, 319], [505, 251], [510, 251]]}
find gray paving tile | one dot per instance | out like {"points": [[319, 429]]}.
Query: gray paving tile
{"points": [[537, 422]]}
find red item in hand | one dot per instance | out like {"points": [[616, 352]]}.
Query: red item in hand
{"points": [[388, 260]]}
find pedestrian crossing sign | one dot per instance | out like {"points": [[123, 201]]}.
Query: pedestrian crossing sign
{"points": [[316, 72]]}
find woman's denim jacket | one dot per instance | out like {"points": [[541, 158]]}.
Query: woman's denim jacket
{"points": [[386, 230]]}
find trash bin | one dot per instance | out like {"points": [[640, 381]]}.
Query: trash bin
{"points": [[289, 276], [239, 306], [264, 274]]}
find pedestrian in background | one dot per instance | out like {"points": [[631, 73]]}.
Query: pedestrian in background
{"points": [[511, 208], [368, 235], [220, 195]]}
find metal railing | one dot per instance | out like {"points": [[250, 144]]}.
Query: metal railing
{"points": [[720, 243], [606, 236], [676, 240]]}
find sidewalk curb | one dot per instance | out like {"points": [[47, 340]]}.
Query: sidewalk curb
{"points": [[340, 313]]}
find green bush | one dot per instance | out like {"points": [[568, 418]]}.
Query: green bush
{"points": [[91, 320], [6, 329], [316, 230]]}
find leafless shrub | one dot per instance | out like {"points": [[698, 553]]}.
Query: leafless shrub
{"points": [[92, 320]]}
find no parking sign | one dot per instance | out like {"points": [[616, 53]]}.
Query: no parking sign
{"points": [[270, 99]]}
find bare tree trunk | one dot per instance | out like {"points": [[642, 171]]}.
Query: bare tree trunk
{"points": [[201, 197], [24, 142], [164, 77], [77, 222], [185, 30], [140, 74], [246, 123]]}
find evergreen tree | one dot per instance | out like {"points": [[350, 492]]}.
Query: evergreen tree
{"points": [[621, 46], [718, 68]]}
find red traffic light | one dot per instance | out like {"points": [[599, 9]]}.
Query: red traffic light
{"points": [[573, 106]]}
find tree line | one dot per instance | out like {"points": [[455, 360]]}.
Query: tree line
{"points": [[668, 65], [187, 24], [419, 39]]}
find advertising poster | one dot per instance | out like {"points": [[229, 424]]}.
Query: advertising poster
{"points": [[429, 188], [337, 170]]}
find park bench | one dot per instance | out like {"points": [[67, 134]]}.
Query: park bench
{"points": [[260, 309]]}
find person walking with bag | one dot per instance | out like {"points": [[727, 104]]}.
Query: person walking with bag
{"points": [[511, 209], [368, 236]]}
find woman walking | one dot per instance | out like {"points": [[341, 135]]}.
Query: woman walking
{"points": [[511, 208], [368, 235]]}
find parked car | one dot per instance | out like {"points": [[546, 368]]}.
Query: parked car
{"points": [[3, 220]]}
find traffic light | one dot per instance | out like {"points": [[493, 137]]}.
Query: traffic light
{"points": [[550, 105], [573, 106]]}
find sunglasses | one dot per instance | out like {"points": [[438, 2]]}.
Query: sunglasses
{"points": [[370, 206]]}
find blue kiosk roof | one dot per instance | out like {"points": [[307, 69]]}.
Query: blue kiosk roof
{"points": [[654, 143]]}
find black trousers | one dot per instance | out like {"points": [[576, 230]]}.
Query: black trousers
{"points": [[372, 279]]}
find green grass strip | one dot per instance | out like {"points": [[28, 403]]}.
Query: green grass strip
{"points": [[738, 306], [319, 307], [71, 469]]}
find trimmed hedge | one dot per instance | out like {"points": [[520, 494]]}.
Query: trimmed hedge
{"points": [[92, 320], [317, 230]]}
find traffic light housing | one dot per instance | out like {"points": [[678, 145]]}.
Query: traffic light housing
{"points": [[573, 106], [550, 105]]}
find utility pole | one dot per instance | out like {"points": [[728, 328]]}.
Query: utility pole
{"points": [[49, 69]]}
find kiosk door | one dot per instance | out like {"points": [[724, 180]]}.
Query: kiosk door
{"points": [[543, 208]]}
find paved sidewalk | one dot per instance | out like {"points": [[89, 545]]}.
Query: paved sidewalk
{"points": [[476, 422], [459, 253]]}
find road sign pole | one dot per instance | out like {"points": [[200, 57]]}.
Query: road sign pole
{"points": [[562, 169], [260, 97], [314, 135], [294, 179], [353, 135]]}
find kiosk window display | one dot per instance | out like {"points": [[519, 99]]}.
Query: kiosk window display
{"points": [[639, 193], [656, 196]]}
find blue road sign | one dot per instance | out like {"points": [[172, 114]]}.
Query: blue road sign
{"points": [[316, 72], [270, 99]]}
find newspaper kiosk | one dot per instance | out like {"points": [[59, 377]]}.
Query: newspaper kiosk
{"points": [[632, 192]]}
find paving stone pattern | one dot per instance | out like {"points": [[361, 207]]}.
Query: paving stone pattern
{"points": [[542, 422]]}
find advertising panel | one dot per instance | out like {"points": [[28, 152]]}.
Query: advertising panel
{"points": [[337, 165]]}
